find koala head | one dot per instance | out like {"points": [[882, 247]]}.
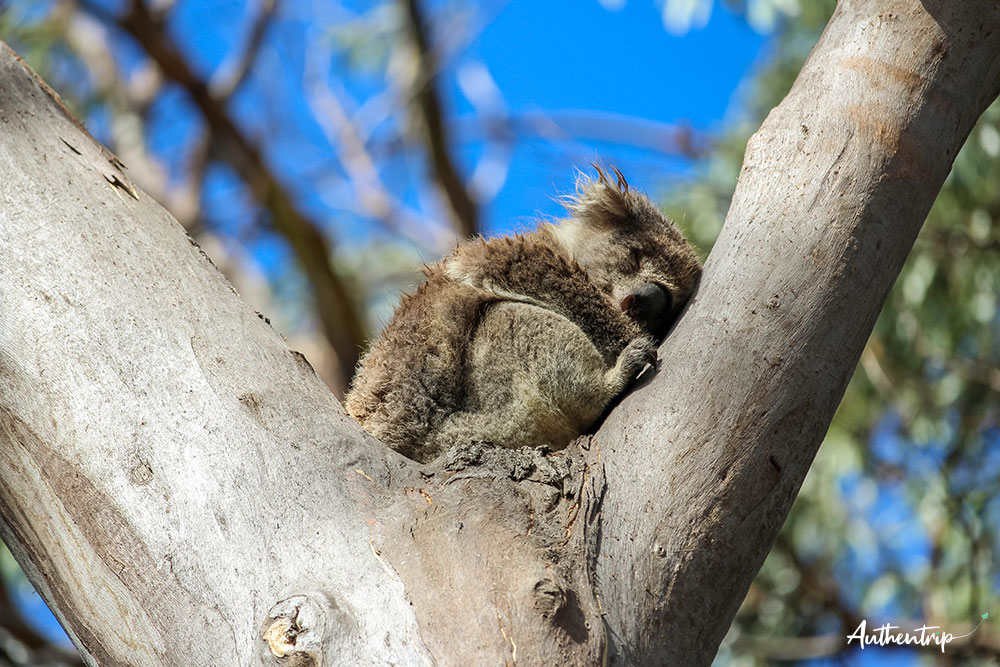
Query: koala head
{"points": [[629, 249]]}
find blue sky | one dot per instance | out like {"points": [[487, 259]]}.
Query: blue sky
{"points": [[557, 57], [543, 55]]}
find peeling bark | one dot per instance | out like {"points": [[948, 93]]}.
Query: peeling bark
{"points": [[182, 489]]}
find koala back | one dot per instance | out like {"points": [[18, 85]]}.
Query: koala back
{"points": [[530, 268]]}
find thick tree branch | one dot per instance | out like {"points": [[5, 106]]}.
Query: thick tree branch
{"points": [[139, 437], [833, 190]]}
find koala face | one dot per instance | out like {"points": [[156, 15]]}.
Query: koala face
{"points": [[631, 251]]}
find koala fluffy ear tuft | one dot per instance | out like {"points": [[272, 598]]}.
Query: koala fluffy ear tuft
{"points": [[602, 202]]}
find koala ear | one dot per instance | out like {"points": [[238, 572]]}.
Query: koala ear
{"points": [[601, 203]]}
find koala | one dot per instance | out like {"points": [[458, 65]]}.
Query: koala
{"points": [[526, 340]]}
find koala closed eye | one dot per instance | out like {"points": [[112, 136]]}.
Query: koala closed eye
{"points": [[635, 259]]}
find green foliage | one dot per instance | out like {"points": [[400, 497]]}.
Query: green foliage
{"points": [[368, 40]]}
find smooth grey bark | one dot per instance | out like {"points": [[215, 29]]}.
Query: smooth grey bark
{"points": [[182, 489], [171, 474], [834, 188]]}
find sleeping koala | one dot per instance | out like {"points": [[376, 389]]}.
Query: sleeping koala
{"points": [[527, 339]]}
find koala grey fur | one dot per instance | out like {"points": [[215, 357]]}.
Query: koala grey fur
{"points": [[526, 340]]}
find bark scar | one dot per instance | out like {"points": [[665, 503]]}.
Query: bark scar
{"points": [[71, 146], [119, 183]]}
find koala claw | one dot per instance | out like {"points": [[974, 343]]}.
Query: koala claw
{"points": [[634, 357], [649, 350]]}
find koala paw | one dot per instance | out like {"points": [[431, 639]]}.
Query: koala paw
{"points": [[631, 361], [638, 353]]}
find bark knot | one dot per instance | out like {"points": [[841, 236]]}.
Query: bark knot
{"points": [[295, 631], [549, 597]]}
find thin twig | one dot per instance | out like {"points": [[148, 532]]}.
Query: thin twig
{"points": [[231, 75], [345, 138]]}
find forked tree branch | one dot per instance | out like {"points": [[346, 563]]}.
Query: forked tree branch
{"points": [[182, 489]]}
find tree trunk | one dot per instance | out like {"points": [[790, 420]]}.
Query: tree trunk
{"points": [[182, 489], [834, 188]]}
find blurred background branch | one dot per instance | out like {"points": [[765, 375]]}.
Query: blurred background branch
{"points": [[429, 118]]}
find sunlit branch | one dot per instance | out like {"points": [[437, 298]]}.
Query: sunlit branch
{"points": [[335, 306], [344, 137]]}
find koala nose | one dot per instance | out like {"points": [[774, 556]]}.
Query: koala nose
{"points": [[649, 306]]}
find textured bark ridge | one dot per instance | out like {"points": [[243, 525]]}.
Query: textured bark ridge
{"points": [[182, 488], [500, 538]]}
